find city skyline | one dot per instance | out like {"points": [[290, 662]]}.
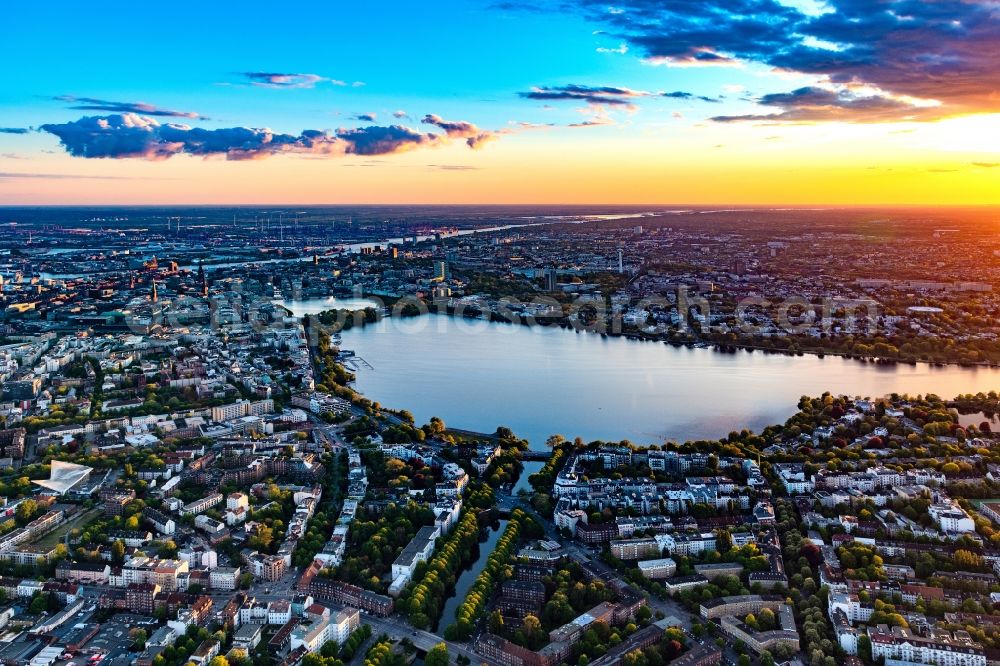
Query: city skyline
{"points": [[792, 103]]}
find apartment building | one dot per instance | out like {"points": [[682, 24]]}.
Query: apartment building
{"points": [[902, 647]]}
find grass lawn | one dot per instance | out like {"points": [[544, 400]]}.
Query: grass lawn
{"points": [[57, 535]]}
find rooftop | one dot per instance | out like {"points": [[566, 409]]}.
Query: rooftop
{"points": [[63, 476]]}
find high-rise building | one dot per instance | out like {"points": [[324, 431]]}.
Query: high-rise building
{"points": [[550, 279]]}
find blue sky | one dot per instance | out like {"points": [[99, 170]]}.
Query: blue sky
{"points": [[460, 59], [652, 86]]}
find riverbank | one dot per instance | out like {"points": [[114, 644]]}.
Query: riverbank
{"points": [[786, 345]]}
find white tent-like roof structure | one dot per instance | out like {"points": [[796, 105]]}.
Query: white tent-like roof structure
{"points": [[64, 475]]}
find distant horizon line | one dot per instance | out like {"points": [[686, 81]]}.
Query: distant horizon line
{"points": [[719, 206]]}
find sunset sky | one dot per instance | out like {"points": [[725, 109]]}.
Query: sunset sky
{"points": [[637, 101]]}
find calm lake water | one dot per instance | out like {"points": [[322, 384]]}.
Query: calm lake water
{"points": [[310, 306], [540, 381], [977, 418]]}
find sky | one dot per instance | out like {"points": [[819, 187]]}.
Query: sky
{"points": [[743, 102]]}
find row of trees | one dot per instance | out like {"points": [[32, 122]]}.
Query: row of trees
{"points": [[354, 641], [382, 654], [497, 569], [333, 376], [425, 600], [809, 603], [543, 479], [321, 525]]}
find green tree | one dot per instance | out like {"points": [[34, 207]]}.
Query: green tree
{"points": [[118, 551], [262, 538], [39, 604], [25, 511], [496, 622], [138, 637], [168, 550], [437, 656], [766, 620], [865, 649]]}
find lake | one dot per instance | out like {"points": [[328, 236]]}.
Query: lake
{"points": [[311, 306], [539, 381], [977, 418]]}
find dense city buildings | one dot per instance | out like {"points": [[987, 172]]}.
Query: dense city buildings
{"points": [[186, 458], [724, 392]]}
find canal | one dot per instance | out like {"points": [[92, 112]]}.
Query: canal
{"points": [[468, 577]]}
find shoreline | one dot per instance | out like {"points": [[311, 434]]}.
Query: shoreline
{"points": [[536, 435], [718, 347]]}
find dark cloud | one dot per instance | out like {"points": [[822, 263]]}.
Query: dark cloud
{"points": [[680, 94], [14, 130], [598, 95], [820, 104], [130, 135], [94, 104], [460, 129], [287, 80], [946, 50], [986, 165], [376, 140], [366, 117]]}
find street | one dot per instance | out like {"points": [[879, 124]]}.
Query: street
{"points": [[424, 640]]}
